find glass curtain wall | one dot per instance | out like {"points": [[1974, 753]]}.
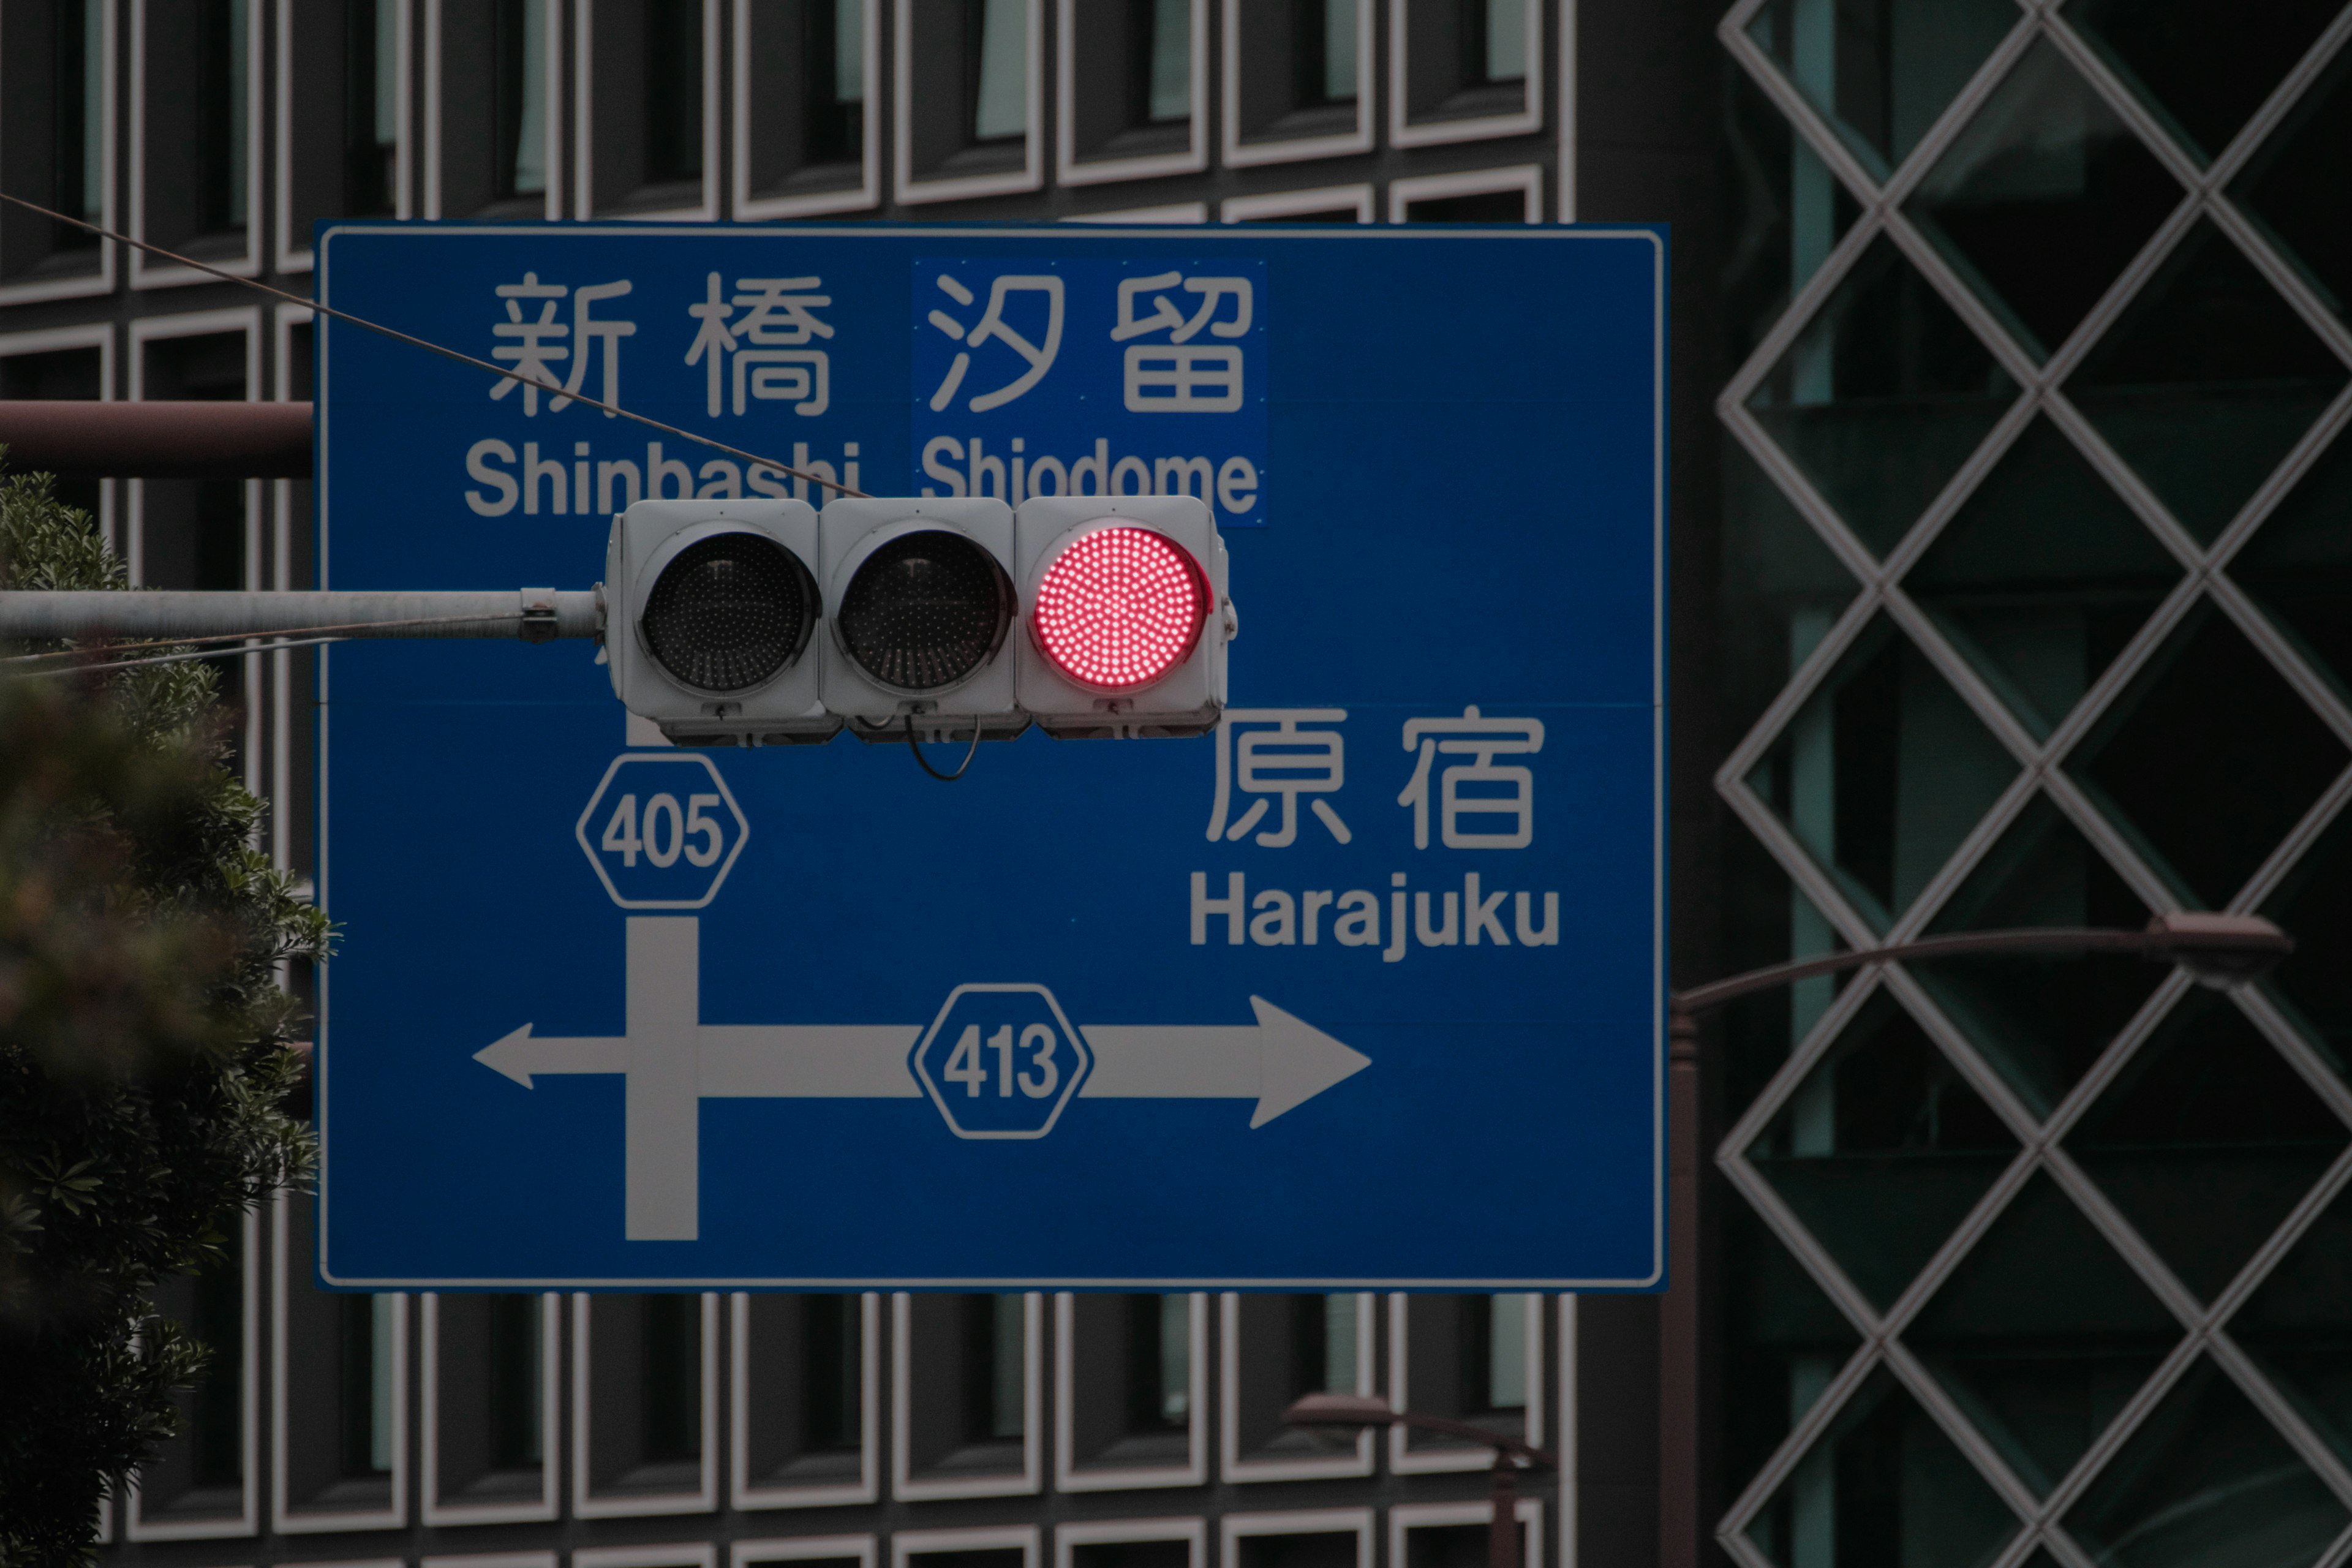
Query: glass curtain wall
{"points": [[2037, 578]]}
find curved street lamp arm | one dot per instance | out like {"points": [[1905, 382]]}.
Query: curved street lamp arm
{"points": [[1526, 1453], [2181, 936]]}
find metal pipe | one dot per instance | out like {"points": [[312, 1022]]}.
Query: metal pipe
{"points": [[185, 439], [534, 615], [1680, 1528], [1502, 1522]]}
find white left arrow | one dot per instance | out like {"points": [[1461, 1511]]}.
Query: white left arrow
{"points": [[670, 1061]]}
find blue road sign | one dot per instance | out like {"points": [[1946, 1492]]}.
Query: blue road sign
{"points": [[1365, 990]]}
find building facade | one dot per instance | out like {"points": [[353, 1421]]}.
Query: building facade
{"points": [[976, 1431], [2011, 568]]}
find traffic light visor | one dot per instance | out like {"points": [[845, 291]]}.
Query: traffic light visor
{"points": [[924, 610], [728, 611], [1118, 607]]}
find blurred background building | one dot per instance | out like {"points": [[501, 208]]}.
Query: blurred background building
{"points": [[2012, 575]]}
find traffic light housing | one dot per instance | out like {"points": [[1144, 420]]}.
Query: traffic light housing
{"points": [[713, 620], [920, 612], [1123, 614], [764, 623]]}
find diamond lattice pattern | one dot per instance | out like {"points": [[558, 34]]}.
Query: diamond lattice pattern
{"points": [[2045, 1260]]}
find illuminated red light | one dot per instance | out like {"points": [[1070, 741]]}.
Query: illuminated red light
{"points": [[1120, 608]]}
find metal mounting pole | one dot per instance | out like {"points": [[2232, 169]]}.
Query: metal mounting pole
{"points": [[1503, 1530], [534, 615]]}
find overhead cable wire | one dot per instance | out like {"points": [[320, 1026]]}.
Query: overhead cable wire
{"points": [[498, 369]]}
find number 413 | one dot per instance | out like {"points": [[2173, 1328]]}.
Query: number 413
{"points": [[967, 1066]]}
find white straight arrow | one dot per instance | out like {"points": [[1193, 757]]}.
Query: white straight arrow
{"points": [[670, 1060]]}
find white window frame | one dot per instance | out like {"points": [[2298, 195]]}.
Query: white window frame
{"points": [[101, 281], [1410, 1516], [704, 1498], [281, 663], [145, 274], [867, 1488], [1290, 203], [1070, 168], [551, 113], [99, 335], [1406, 1460], [584, 121], [551, 1377], [1175, 212], [674, 1554], [248, 1520], [1193, 1533], [867, 191], [293, 249], [146, 330], [1193, 1472], [912, 1544], [1234, 1528], [1024, 1481], [1232, 1466], [1525, 178], [1564, 1440], [1567, 197], [864, 1548], [285, 1520], [1236, 153], [1525, 123], [907, 188]]}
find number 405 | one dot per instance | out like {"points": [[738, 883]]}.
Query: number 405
{"points": [[668, 831]]}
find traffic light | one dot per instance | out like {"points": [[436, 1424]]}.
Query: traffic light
{"points": [[1123, 602], [764, 623], [920, 605], [711, 620]]}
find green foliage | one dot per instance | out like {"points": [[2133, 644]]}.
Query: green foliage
{"points": [[144, 1068]]}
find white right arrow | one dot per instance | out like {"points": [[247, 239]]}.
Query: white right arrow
{"points": [[1280, 1061]]}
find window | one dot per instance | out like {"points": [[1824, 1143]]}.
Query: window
{"points": [[1298, 79], [967, 99], [644, 1378], [490, 104], [56, 88], [965, 1385], [195, 533], [645, 109], [1275, 1349], [1128, 1390], [195, 159], [804, 74], [29, 369], [1470, 1358], [803, 1376], [1463, 69], [994, 1368], [1130, 103], [339, 1383], [1318, 1538], [1488, 196], [341, 64], [201, 1481], [487, 1408], [1132, 1543], [364, 1326]]}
